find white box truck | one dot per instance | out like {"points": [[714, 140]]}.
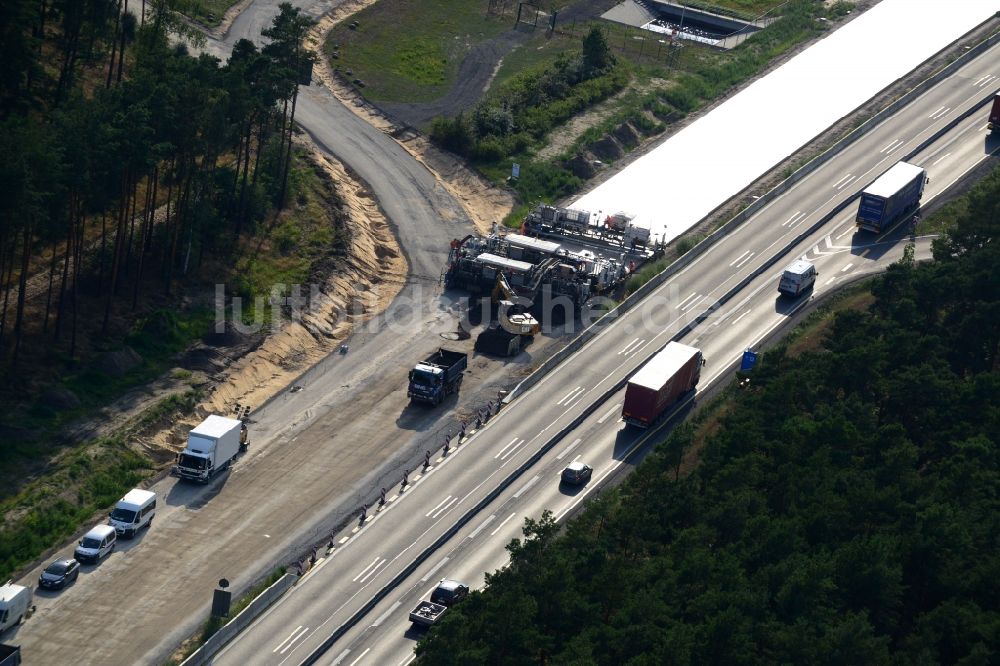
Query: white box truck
{"points": [[14, 603], [211, 446]]}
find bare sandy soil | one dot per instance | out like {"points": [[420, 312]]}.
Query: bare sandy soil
{"points": [[373, 273]]}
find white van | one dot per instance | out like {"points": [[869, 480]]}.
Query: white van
{"points": [[96, 543], [133, 512], [797, 278], [14, 603]]}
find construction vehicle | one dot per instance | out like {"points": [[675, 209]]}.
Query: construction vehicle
{"points": [[512, 328], [437, 376]]}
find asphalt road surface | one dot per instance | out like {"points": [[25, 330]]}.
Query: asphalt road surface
{"points": [[364, 589]]}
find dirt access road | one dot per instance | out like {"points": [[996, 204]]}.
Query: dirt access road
{"points": [[317, 453]]}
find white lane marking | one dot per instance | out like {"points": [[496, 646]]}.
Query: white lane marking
{"points": [[572, 401], [360, 656], [293, 639], [829, 281], [428, 514], [789, 220], [408, 659], [445, 507], [736, 321], [500, 452], [888, 146], [362, 572], [681, 304], [694, 303], [516, 447], [434, 570], [836, 185], [846, 268], [864, 253], [525, 487], [802, 218], [383, 616], [982, 79], [341, 656], [940, 158], [565, 397], [503, 523], [749, 257], [941, 113], [849, 230], [744, 254], [611, 411], [377, 567], [475, 532], [626, 347], [940, 108], [294, 631], [568, 449], [848, 182]]}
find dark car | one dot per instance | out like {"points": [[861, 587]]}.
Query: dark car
{"points": [[449, 593], [577, 473], [59, 574]]}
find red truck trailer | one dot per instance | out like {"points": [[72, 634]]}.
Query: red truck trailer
{"points": [[995, 114], [659, 383]]}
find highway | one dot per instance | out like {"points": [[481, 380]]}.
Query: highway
{"points": [[318, 453], [397, 555]]}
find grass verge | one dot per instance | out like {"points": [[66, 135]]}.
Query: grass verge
{"points": [[428, 42]]}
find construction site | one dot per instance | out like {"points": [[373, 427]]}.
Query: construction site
{"points": [[547, 273]]}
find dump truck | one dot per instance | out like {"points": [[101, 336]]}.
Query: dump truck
{"points": [[212, 446], [437, 376], [994, 124], [893, 195], [657, 385]]}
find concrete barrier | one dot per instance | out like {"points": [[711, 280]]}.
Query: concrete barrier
{"points": [[225, 634], [758, 205]]}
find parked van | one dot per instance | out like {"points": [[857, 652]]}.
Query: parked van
{"points": [[797, 278], [133, 512], [14, 603], [96, 543]]}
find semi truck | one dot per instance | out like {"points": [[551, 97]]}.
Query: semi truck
{"points": [[212, 446], [893, 195], [437, 376], [658, 384], [994, 124]]}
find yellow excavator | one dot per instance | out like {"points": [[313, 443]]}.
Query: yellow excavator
{"points": [[510, 314], [513, 327]]}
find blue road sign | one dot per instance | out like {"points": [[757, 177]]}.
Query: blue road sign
{"points": [[749, 359]]}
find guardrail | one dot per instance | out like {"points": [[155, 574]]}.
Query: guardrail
{"points": [[585, 336], [631, 301], [226, 633]]}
